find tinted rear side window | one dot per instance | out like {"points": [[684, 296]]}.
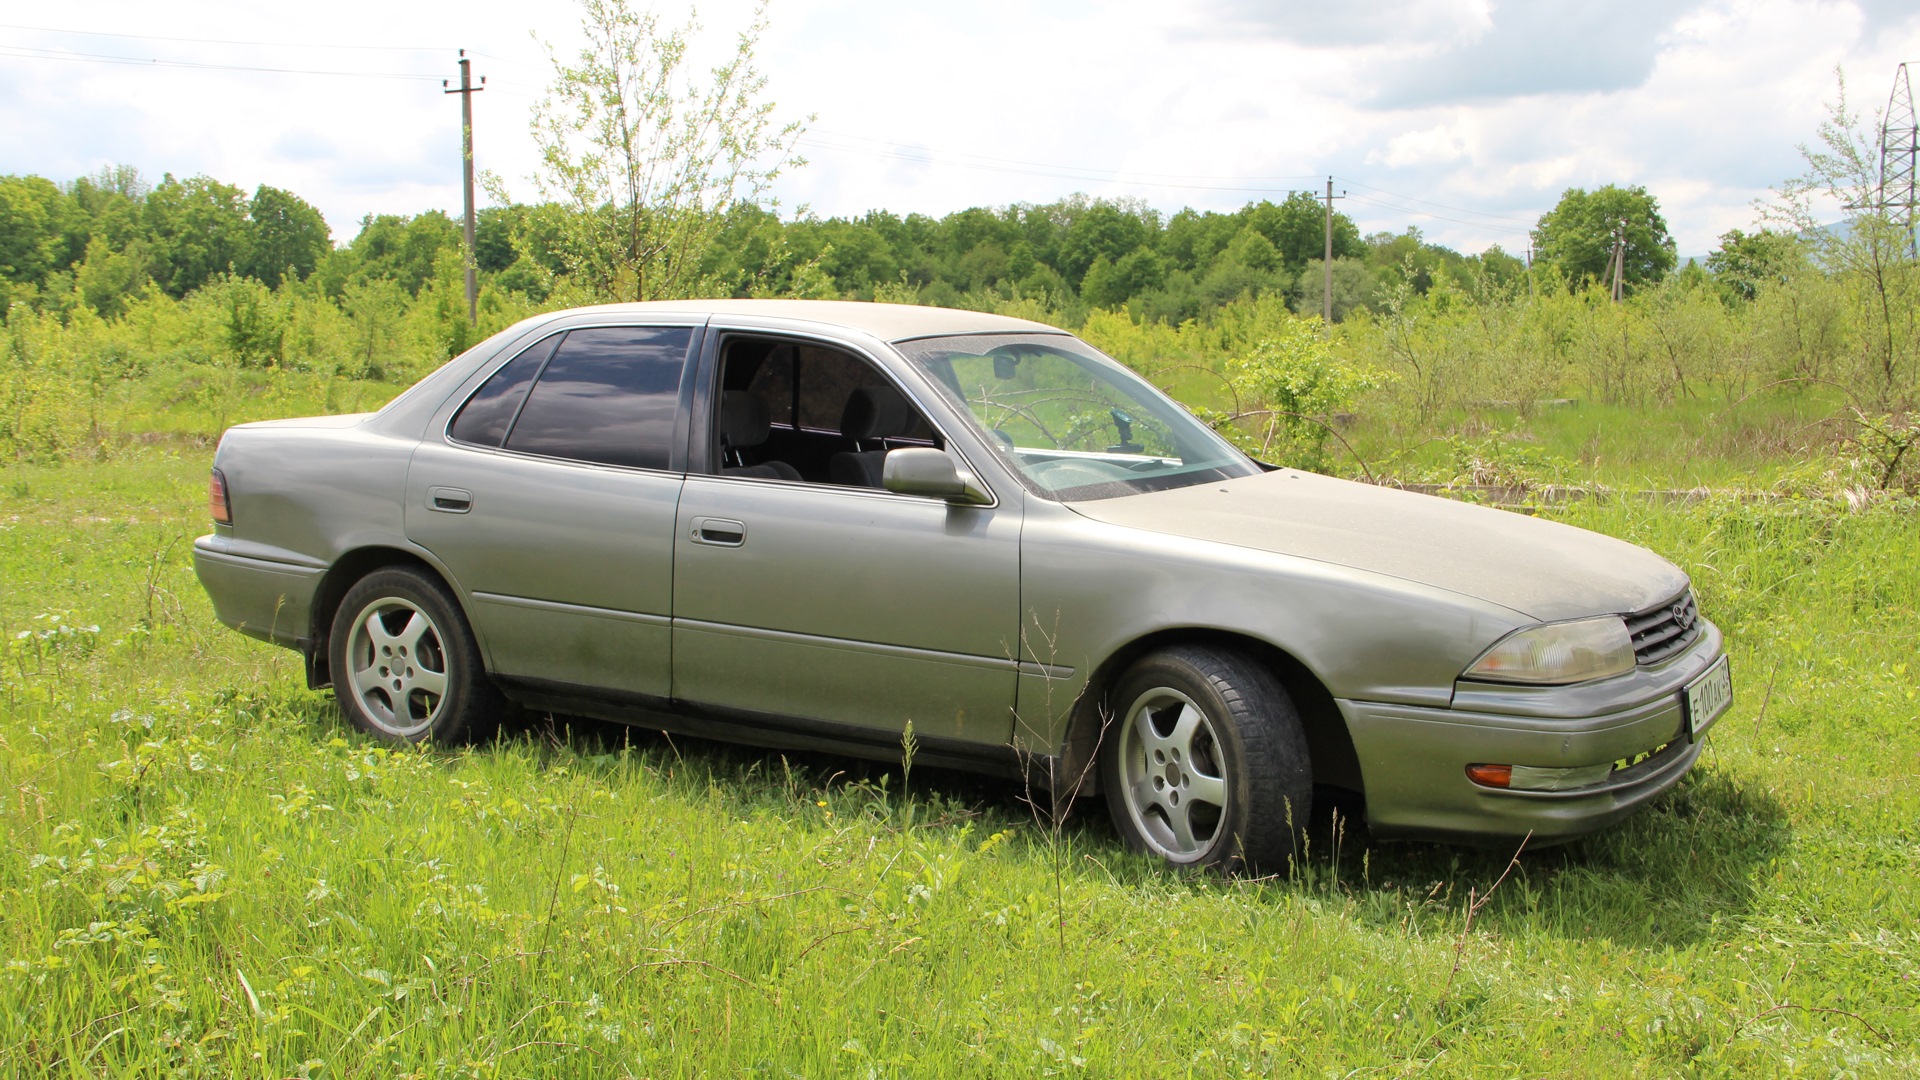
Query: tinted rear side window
{"points": [[609, 395], [484, 418]]}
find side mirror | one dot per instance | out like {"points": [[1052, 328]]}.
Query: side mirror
{"points": [[922, 470]]}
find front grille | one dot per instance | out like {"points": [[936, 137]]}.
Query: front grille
{"points": [[1664, 629]]}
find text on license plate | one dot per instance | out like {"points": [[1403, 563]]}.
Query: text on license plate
{"points": [[1708, 696]]}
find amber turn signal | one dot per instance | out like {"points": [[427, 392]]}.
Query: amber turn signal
{"points": [[1490, 775], [217, 503]]}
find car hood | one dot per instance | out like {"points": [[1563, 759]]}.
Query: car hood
{"points": [[1542, 569]]}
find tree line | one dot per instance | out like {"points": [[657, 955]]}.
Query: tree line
{"points": [[99, 241]]}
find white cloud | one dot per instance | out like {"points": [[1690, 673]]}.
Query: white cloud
{"points": [[1315, 22], [1431, 146]]}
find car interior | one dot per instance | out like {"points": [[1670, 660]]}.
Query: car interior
{"points": [[799, 411]]}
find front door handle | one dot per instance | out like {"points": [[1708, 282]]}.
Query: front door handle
{"points": [[449, 500], [719, 532]]}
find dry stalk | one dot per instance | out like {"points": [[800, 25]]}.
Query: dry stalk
{"points": [[1786, 1006], [1476, 901]]}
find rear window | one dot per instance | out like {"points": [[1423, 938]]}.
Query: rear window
{"points": [[484, 419], [609, 395]]}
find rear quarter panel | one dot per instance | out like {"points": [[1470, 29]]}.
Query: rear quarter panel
{"points": [[303, 493], [313, 492]]}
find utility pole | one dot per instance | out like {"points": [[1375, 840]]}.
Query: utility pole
{"points": [[1620, 265], [1617, 265], [1326, 264], [466, 92]]}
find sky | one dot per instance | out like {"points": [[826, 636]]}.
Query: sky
{"points": [[1465, 119]]}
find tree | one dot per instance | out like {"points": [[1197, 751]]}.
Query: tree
{"points": [[647, 158], [199, 228], [1291, 384], [109, 205], [1408, 257], [1249, 266], [33, 226], [403, 249], [1577, 236], [1745, 262], [1298, 230], [1111, 285], [1103, 230], [107, 278], [1354, 286], [288, 234]]}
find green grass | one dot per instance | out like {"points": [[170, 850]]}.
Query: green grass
{"points": [[205, 873], [1712, 441]]}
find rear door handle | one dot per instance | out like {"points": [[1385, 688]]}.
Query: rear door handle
{"points": [[719, 532], [449, 500]]}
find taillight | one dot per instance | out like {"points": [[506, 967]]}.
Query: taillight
{"points": [[217, 504]]}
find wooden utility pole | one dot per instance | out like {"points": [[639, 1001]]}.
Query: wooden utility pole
{"points": [[1326, 264], [1619, 266], [466, 92]]}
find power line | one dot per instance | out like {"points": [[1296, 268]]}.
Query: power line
{"points": [[505, 60], [1430, 202], [892, 144], [1232, 184], [24, 52], [1439, 217], [1061, 173], [223, 41], [1507, 226], [1257, 185]]}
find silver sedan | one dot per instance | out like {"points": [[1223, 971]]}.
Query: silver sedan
{"points": [[809, 524]]}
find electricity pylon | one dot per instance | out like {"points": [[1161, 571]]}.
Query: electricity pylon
{"points": [[1899, 152]]}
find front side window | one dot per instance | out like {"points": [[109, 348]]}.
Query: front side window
{"points": [[609, 395], [792, 410], [1071, 423]]}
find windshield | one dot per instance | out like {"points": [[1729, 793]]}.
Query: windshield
{"points": [[1071, 423]]}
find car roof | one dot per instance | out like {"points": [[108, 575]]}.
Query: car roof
{"points": [[888, 322]]}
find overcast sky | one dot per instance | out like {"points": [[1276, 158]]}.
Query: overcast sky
{"points": [[1464, 118]]}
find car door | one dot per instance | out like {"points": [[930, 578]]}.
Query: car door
{"points": [[549, 494], [853, 606]]}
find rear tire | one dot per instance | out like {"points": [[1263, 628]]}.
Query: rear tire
{"points": [[405, 665], [1204, 763]]}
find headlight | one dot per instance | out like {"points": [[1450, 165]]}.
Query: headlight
{"points": [[1556, 653]]}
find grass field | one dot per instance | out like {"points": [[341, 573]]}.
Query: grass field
{"points": [[205, 873]]}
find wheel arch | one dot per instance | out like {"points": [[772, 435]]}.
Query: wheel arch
{"points": [[340, 577], [1330, 748]]}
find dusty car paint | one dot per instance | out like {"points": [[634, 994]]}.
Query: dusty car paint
{"points": [[839, 614]]}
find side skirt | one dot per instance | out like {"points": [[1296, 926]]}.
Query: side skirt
{"points": [[769, 730]]}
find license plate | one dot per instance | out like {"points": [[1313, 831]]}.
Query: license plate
{"points": [[1707, 697]]}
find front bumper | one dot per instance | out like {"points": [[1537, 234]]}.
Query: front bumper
{"points": [[1413, 759]]}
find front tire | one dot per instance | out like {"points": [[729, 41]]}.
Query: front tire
{"points": [[1205, 763], [405, 664]]}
